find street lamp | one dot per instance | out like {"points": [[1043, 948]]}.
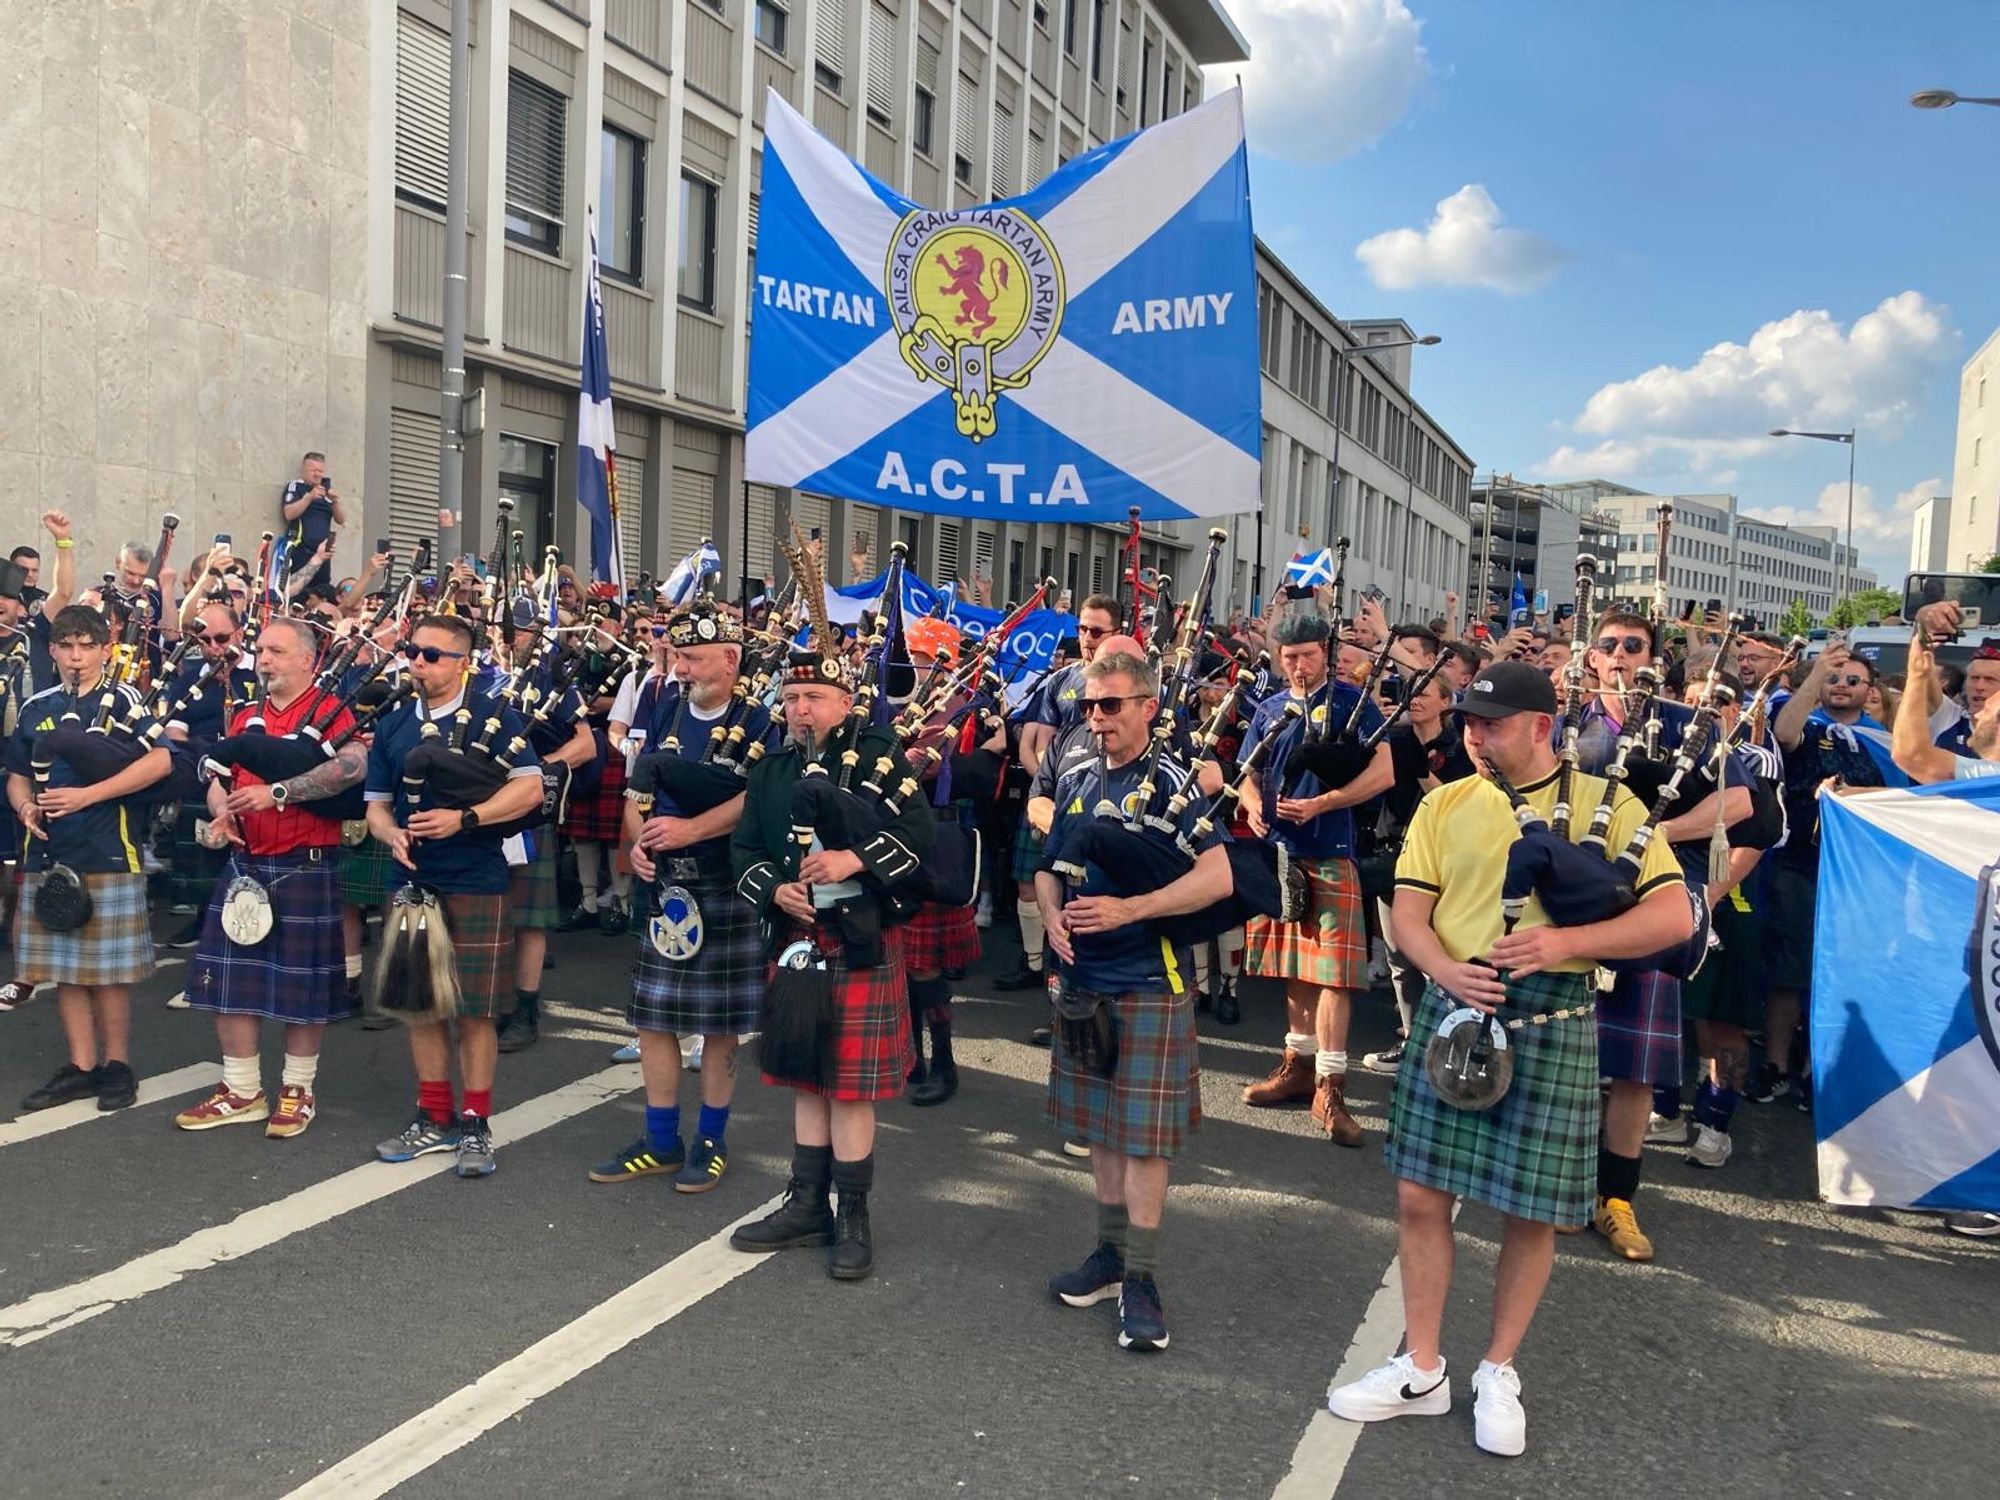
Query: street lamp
{"points": [[1340, 359], [1945, 99], [1847, 553]]}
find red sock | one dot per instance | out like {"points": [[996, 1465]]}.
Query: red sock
{"points": [[479, 1102], [434, 1099]]}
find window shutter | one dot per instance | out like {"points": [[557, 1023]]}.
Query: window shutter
{"points": [[1097, 575], [1038, 143], [882, 62], [947, 551], [927, 66], [830, 31], [631, 512], [535, 147], [1004, 181], [755, 200], [413, 479], [762, 546], [423, 108], [690, 514], [810, 511], [965, 118]]}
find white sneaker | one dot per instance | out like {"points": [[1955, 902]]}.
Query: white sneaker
{"points": [[1711, 1147], [178, 1000], [1388, 1062], [1397, 1389], [1666, 1130], [983, 916], [627, 1053], [1499, 1425], [692, 1062]]}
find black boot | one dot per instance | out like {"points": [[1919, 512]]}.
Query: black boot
{"points": [[1228, 1009], [522, 1028], [918, 1072], [943, 1081], [853, 1251], [805, 1217]]}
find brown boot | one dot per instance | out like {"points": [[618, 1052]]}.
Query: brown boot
{"points": [[1329, 1111], [1290, 1081]]}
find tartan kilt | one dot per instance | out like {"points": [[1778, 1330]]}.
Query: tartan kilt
{"points": [[1329, 946], [531, 889], [1027, 850], [297, 974], [871, 1021], [1639, 1030], [598, 816], [114, 947], [1730, 986], [482, 939], [1534, 1154], [1153, 1099], [364, 873], [716, 992], [939, 938], [195, 865]]}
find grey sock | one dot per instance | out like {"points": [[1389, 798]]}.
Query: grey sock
{"points": [[1111, 1224], [1142, 1250]]}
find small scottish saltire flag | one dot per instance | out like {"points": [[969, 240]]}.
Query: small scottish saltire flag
{"points": [[689, 573], [596, 462], [1906, 998], [1311, 570], [1520, 603], [1066, 355]]}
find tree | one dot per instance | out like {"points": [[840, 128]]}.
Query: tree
{"points": [[1991, 565], [1797, 621], [1862, 606]]}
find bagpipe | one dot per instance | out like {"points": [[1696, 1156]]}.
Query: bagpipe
{"points": [[1142, 848], [283, 757]]}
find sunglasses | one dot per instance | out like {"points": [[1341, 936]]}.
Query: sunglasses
{"points": [[222, 639], [659, 632], [432, 654], [1093, 631], [1851, 679], [1633, 645], [1111, 707]]}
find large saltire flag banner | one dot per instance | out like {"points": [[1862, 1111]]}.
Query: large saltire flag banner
{"points": [[1066, 355], [596, 438], [1906, 998]]}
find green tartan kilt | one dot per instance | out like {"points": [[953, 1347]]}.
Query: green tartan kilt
{"points": [[364, 873], [1534, 1154]]}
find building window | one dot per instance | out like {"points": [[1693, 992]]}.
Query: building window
{"points": [[697, 268], [772, 22], [536, 132], [1097, 41], [922, 115], [527, 477], [423, 107], [1069, 28], [961, 168], [1145, 84], [826, 78], [621, 205]]}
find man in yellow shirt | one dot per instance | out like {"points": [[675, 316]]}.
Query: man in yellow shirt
{"points": [[1532, 1155]]}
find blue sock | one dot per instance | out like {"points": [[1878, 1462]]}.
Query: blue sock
{"points": [[663, 1128], [714, 1120]]}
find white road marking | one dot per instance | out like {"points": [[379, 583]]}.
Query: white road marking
{"points": [[1327, 1446], [64, 1307], [508, 1389], [152, 1090]]}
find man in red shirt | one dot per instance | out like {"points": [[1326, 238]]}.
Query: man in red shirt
{"points": [[291, 967]]}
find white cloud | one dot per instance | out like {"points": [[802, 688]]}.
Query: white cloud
{"points": [[1463, 245], [1802, 370], [1881, 535], [1325, 77]]}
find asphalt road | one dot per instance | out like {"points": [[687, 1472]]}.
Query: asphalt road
{"points": [[221, 1315]]}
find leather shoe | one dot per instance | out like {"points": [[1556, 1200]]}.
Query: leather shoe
{"points": [[118, 1087], [1023, 978], [938, 1087]]}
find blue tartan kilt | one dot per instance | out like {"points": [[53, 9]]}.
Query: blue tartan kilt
{"points": [[114, 947], [716, 992], [298, 973], [1639, 1031], [1534, 1154], [1152, 1099], [1027, 851]]}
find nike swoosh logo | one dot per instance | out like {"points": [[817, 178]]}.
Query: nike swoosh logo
{"points": [[1410, 1395]]}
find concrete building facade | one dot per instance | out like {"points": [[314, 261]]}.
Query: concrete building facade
{"points": [[1930, 536], [1534, 533], [1974, 531]]}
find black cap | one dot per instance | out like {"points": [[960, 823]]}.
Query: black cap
{"points": [[1507, 688]]}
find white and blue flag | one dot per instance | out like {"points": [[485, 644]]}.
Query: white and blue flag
{"points": [[1311, 570], [690, 572], [596, 460], [1906, 998], [1065, 355]]}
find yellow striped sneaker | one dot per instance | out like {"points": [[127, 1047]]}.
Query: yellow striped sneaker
{"points": [[704, 1169], [224, 1108], [296, 1108], [639, 1160]]}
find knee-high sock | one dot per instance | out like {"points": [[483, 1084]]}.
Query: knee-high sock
{"points": [[1203, 967], [589, 858], [1231, 946], [621, 880], [1032, 933], [1715, 1107]]}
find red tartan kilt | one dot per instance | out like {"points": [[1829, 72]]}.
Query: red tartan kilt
{"points": [[871, 1024], [599, 815], [938, 938]]}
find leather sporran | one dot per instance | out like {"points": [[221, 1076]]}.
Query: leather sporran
{"points": [[62, 901], [1086, 1027]]}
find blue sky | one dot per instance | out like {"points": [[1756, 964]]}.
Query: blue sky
{"points": [[1663, 178]]}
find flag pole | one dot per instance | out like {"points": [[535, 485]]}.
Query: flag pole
{"points": [[451, 356]]}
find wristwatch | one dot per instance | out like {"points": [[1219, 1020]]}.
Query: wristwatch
{"points": [[279, 796], [471, 816]]}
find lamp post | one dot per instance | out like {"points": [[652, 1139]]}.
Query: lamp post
{"points": [[1945, 99], [1340, 359], [1845, 572]]}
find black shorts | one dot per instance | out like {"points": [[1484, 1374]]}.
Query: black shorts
{"points": [[1788, 927]]}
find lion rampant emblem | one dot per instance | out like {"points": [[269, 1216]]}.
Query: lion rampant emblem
{"points": [[977, 297]]}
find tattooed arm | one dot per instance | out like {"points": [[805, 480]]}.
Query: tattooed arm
{"points": [[347, 768]]}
